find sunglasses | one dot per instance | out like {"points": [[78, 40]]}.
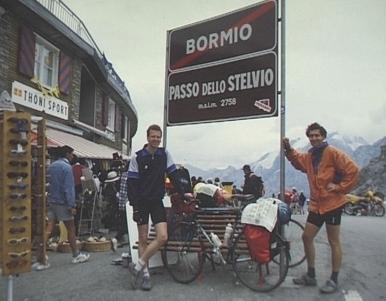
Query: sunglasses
{"points": [[15, 241], [21, 208], [16, 263], [18, 163], [15, 196], [18, 151], [22, 142], [18, 255], [13, 174], [17, 186], [18, 218], [17, 230], [21, 125], [17, 120]]}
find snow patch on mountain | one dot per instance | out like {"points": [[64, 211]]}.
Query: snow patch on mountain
{"points": [[268, 165], [266, 161]]}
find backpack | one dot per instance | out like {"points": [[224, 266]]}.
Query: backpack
{"points": [[253, 185], [260, 187], [258, 241]]}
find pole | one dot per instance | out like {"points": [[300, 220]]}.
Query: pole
{"points": [[10, 288], [165, 134], [282, 119], [282, 98]]}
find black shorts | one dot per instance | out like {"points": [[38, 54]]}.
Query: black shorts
{"points": [[332, 217], [155, 208]]}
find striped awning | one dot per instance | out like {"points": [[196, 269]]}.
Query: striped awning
{"points": [[83, 148]]}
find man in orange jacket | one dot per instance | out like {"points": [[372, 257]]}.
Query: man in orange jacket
{"points": [[331, 174]]}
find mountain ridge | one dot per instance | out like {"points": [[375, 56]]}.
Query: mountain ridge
{"points": [[268, 165]]}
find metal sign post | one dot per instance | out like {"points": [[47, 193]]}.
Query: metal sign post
{"points": [[282, 100], [225, 68], [10, 288], [282, 116]]}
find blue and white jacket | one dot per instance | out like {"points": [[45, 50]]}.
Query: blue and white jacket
{"points": [[146, 175]]}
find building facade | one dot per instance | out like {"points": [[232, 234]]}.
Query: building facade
{"points": [[52, 68]]}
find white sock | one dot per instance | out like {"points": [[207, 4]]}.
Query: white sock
{"points": [[139, 265], [146, 272]]}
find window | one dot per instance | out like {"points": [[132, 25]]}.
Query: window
{"points": [[111, 115], [124, 129], [46, 63]]}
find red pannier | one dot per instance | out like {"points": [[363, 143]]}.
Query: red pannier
{"points": [[179, 206], [258, 240]]}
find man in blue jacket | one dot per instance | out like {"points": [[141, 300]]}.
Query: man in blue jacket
{"points": [[61, 199], [146, 189]]}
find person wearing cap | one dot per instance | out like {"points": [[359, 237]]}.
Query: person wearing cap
{"points": [[210, 195], [110, 199], [217, 182], [61, 199], [331, 174], [252, 183], [146, 189]]}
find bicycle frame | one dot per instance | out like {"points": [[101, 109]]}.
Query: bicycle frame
{"points": [[191, 244]]}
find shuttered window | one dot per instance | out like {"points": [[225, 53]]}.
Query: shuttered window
{"points": [[111, 115], [105, 109], [26, 56], [46, 63], [117, 119], [124, 125], [65, 72]]}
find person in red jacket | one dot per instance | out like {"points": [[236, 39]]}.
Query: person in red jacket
{"points": [[331, 174]]}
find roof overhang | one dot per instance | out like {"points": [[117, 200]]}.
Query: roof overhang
{"points": [[83, 148]]}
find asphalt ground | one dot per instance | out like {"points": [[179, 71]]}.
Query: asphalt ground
{"points": [[99, 279]]}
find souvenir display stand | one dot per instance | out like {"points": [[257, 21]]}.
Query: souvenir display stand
{"points": [[15, 195]]}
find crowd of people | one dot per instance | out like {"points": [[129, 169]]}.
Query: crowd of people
{"points": [[75, 181], [331, 175]]}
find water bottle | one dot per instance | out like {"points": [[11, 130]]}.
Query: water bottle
{"points": [[227, 234], [216, 241]]}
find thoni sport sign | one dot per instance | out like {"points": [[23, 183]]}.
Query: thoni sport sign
{"points": [[223, 68]]}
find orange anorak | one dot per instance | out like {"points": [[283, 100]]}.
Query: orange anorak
{"points": [[333, 164]]}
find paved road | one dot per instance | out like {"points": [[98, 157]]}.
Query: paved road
{"points": [[363, 275]]}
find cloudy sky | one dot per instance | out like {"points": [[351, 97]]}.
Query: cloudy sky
{"points": [[335, 71]]}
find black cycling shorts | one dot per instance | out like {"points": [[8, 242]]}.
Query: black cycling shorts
{"points": [[332, 217], [155, 208]]}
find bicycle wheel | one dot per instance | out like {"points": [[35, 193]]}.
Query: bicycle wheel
{"points": [[349, 209], [379, 210], [182, 255], [293, 234], [260, 277]]}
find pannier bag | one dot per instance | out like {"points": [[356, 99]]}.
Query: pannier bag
{"points": [[283, 212], [262, 213], [179, 206], [258, 241]]}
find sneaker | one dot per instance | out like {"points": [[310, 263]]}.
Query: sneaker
{"points": [[37, 266], [82, 257], [114, 244], [117, 261], [305, 280], [146, 283], [329, 287], [136, 276]]}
